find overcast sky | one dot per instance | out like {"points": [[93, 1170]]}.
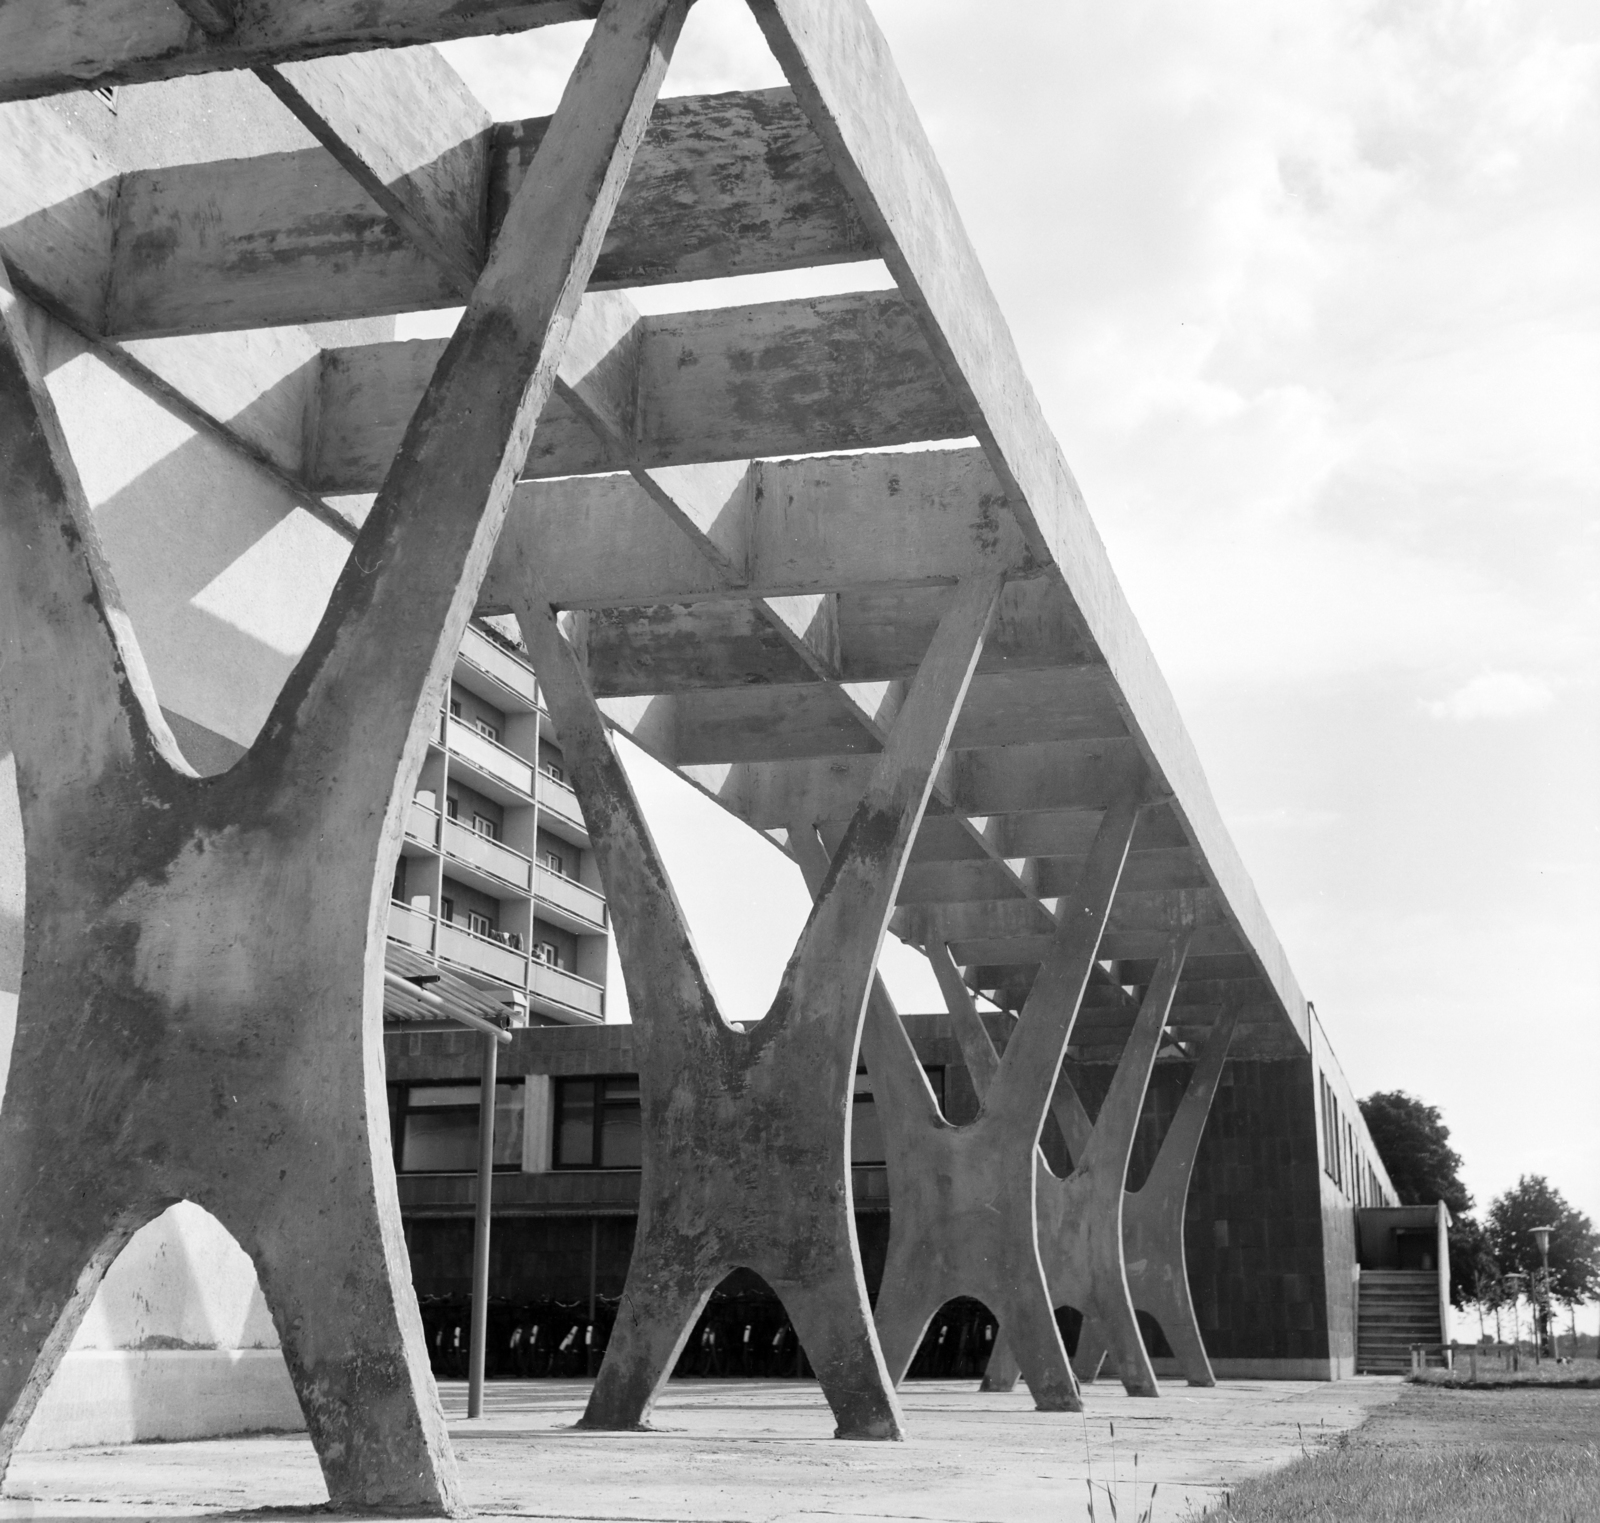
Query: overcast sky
{"points": [[1311, 294]]}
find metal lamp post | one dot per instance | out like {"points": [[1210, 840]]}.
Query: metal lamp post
{"points": [[1541, 1235]]}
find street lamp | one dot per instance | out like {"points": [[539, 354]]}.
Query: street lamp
{"points": [[1541, 1235]]}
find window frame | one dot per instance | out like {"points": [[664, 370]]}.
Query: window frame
{"points": [[599, 1104], [400, 1109]]}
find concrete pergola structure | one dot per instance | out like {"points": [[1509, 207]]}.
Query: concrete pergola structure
{"points": [[921, 658]]}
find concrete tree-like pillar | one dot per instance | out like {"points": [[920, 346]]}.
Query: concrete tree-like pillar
{"points": [[962, 1212], [1152, 1224], [200, 1014], [1080, 1217], [746, 1133]]}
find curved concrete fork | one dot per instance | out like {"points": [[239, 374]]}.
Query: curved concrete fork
{"points": [[1080, 1217], [201, 1005], [962, 1219], [746, 1133], [262, 1116], [1153, 1221]]}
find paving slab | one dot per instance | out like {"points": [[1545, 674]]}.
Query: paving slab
{"points": [[757, 1452]]}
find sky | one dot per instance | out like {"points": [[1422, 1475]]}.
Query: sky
{"points": [[1311, 296]]}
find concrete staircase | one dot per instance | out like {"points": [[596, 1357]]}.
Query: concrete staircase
{"points": [[1398, 1307]]}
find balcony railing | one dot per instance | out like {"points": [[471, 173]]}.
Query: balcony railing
{"points": [[412, 928], [496, 662], [490, 756], [488, 855], [556, 796], [564, 893], [422, 824], [563, 988], [491, 958]]}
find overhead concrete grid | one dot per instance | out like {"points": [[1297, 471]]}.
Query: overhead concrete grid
{"points": [[914, 667]]}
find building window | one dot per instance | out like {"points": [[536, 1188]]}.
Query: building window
{"points": [[485, 729], [866, 1131], [554, 861], [597, 1123], [480, 925], [553, 772], [452, 807], [447, 909], [455, 708], [548, 953], [484, 826], [435, 1127]]}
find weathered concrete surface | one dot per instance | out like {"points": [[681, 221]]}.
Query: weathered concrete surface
{"points": [[963, 1221], [746, 1133], [758, 1452], [200, 1011], [1152, 1225], [1080, 1216]]}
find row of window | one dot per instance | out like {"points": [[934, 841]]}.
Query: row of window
{"points": [[1343, 1160], [596, 1124]]}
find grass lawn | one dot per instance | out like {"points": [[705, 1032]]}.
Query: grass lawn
{"points": [[1444, 1455]]}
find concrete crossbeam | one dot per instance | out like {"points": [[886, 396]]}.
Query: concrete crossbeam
{"points": [[45, 49], [779, 378]]}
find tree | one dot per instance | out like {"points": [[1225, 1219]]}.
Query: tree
{"points": [[1574, 1243], [1474, 1270], [1414, 1144]]}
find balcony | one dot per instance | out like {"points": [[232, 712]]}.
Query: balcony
{"points": [[422, 825], [568, 901], [567, 990], [513, 676], [492, 760], [479, 954], [503, 867], [412, 928], [559, 801]]}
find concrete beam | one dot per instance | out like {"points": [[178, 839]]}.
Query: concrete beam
{"points": [[45, 49], [410, 133], [779, 378], [309, 236], [837, 60]]}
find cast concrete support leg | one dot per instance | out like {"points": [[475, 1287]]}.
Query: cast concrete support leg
{"points": [[962, 1217], [201, 1005], [746, 1133], [1152, 1225], [1080, 1217]]}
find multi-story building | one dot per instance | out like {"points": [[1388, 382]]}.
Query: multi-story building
{"points": [[496, 881]]}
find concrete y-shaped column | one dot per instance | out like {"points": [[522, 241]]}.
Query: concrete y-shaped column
{"points": [[962, 1198], [1080, 1217], [1152, 1224], [746, 1158], [200, 1013]]}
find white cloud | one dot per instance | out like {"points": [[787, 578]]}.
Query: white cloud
{"points": [[1494, 695]]}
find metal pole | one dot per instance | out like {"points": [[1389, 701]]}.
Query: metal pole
{"points": [[480, 1235]]}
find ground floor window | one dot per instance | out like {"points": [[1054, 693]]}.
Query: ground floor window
{"points": [[597, 1123], [435, 1127]]}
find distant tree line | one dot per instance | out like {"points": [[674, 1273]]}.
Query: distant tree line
{"points": [[1494, 1260]]}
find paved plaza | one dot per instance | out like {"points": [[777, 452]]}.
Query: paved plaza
{"points": [[757, 1452]]}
